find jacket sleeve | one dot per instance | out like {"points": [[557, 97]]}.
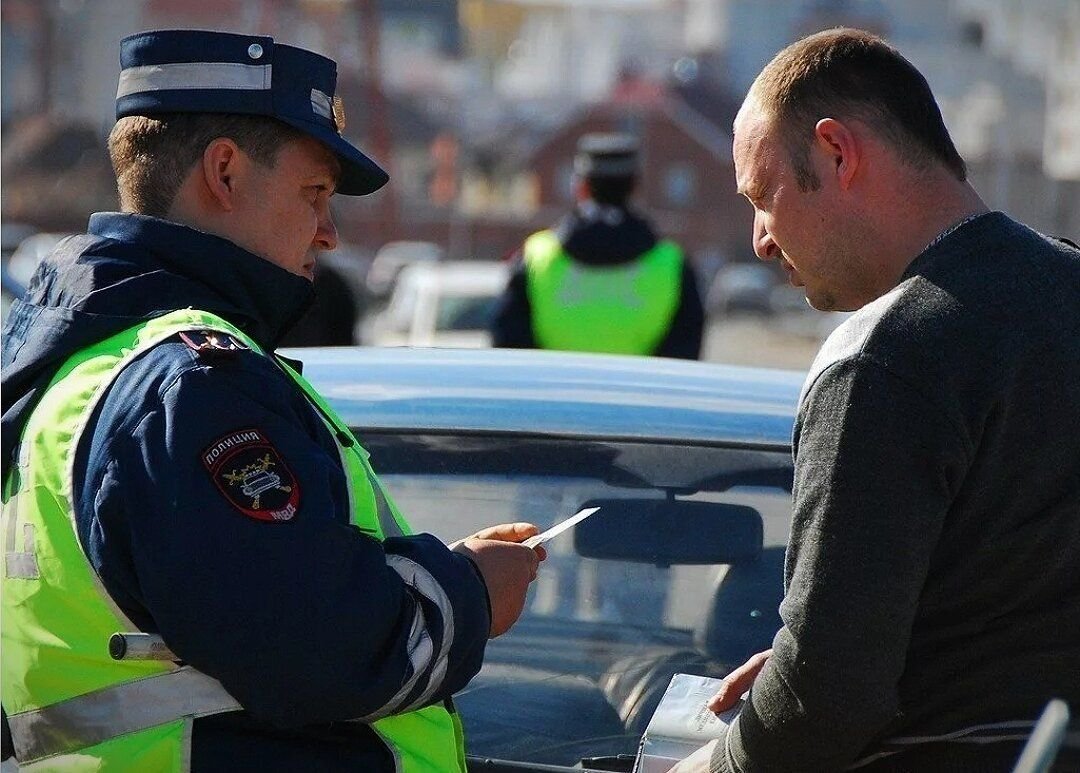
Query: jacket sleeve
{"points": [[304, 620], [877, 464], [512, 325], [683, 340]]}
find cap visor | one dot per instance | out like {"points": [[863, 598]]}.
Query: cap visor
{"points": [[359, 174]]}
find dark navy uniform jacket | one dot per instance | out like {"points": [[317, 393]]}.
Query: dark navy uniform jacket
{"points": [[302, 621], [588, 238]]}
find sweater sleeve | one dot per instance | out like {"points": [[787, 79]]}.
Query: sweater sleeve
{"points": [[877, 464], [302, 617]]}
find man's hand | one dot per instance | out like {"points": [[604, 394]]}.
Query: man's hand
{"points": [[735, 684], [738, 682], [506, 567], [698, 762]]}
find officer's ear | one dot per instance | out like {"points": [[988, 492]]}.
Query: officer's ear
{"points": [[223, 163]]}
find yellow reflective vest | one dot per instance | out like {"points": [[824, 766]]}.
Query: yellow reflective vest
{"points": [[72, 707], [626, 308]]}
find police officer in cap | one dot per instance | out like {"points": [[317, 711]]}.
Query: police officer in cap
{"points": [[169, 477], [601, 280]]}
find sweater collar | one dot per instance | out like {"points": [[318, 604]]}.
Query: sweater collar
{"points": [[954, 239]]}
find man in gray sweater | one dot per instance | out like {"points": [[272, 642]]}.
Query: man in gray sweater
{"points": [[932, 601]]}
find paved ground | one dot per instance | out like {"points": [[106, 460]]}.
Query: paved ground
{"points": [[789, 341]]}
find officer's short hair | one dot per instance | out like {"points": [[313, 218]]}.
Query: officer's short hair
{"points": [[851, 74], [153, 156]]}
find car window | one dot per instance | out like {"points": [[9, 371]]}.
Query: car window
{"points": [[600, 638], [465, 312]]}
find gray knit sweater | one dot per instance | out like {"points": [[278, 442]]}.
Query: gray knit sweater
{"points": [[933, 574]]}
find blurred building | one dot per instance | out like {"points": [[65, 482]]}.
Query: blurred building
{"points": [[453, 95], [687, 173]]}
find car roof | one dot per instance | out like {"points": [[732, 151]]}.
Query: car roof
{"points": [[555, 394]]}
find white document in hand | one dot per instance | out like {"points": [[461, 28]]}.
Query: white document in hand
{"points": [[682, 723], [559, 528]]}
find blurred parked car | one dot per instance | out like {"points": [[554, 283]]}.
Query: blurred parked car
{"points": [[25, 259], [681, 569], [440, 304], [741, 288], [392, 257]]}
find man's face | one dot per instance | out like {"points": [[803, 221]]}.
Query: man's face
{"points": [[283, 212], [805, 230]]}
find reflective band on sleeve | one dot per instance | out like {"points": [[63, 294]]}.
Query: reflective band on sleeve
{"points": [[420, 646], [387, 521], [193, 75], [114, 711]]}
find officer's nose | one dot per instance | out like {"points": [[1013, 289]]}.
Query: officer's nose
{"points": [[326, 235], [764, 246]]}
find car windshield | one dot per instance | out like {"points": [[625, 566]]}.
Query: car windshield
{"points": [[602, 634]]}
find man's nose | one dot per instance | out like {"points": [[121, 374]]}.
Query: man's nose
{"points": [[326, 235], [764, 246]]}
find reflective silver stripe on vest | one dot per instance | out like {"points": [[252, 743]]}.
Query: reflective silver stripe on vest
{"points": [[124, 708], [194, 75], [421, 649], [19, 565]]}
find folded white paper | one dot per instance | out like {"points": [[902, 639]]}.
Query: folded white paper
{"points": [[682, 723]]}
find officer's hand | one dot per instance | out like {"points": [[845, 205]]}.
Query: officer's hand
{"points": [[507, 532], [507, 569]]}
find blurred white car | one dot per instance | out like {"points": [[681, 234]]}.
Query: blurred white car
{"points": [[440, 304], [392, 257], [22, 249]]}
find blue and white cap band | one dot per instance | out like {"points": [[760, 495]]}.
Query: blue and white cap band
{"points": [[194, 71], [193, 76]]}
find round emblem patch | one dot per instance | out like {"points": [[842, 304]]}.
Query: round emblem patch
{"points": [[253, 476]]}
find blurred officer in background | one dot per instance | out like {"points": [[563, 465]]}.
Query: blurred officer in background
{"points": [[166, 473], [601, 280]]}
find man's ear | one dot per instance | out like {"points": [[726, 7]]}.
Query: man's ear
{"points": [[222, 162], [841, 146]]}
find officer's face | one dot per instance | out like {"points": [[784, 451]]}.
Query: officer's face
{"points": [[284, 210]]}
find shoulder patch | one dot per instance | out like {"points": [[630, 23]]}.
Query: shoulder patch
{"points": [[252, 475], [212, 343]]}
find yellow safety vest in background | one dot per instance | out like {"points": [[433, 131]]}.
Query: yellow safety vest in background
{"points": [[70, 706], [622, 309]]}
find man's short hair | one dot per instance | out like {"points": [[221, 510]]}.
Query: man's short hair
{"points": [[851, 74], [153, 156]]}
